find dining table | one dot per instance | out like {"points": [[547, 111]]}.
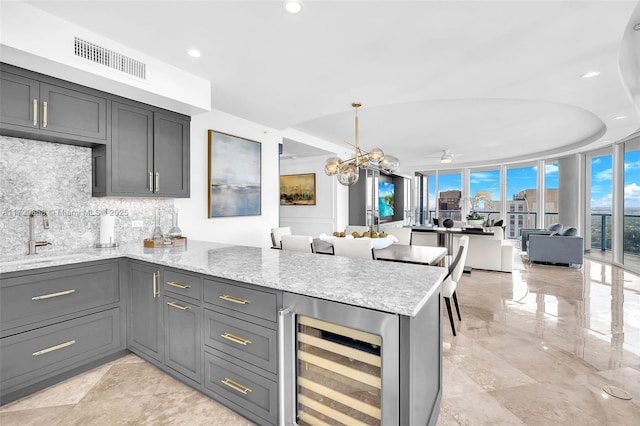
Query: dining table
{"points": [[421, 255]]}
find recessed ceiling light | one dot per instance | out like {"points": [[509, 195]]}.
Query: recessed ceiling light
{"points": [[194, 53], [293, 6], [591, 74], [620, 117]]}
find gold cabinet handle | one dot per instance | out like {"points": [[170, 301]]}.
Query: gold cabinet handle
{"points": [[236, 339], [179, 306], [54, 348], [150, 181], [157, 181], [35, 112], [234, 299], [177, 284], [236, 386], [44, 118], [50, 295]]}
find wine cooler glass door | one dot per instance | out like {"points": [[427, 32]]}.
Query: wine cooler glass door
{"points": [[339, 364]]}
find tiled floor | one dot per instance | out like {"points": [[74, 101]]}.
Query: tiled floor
{"points": [[535, 347]]}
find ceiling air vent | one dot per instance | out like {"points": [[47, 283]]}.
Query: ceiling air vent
{"points": [[110, 58]]}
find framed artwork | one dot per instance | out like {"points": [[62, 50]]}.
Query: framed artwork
{"points": [[298, 190], [234, 178]]}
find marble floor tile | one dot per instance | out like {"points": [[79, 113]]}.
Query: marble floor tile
{"points": [[49, 416], [475, 409]]}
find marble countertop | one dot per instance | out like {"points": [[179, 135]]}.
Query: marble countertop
{"points": [[385, 286]]}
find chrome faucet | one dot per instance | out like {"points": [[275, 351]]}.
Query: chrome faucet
{"points": [[45, 224]]}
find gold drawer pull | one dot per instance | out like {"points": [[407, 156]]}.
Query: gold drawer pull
{"points": [[236, 339], [236, 386], [35, 112], [44, 120], [234, 299], [49, 296], [177, 284], [179, 306], [54, 348]]}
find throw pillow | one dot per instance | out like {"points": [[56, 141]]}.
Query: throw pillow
{"points": [[554, 227], [569, 232]]}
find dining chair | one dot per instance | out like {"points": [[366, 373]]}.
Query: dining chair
{"points": [[403, 235], [276, 235], [450, 281], [356, 248], [303, 243]]}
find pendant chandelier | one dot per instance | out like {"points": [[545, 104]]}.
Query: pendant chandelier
{"points": [[347, 171]]}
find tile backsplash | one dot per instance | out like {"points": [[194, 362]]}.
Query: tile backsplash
{"points": [[37, 175]]}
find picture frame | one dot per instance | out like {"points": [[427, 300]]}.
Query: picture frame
{"points": [[298, 190], [234, 178]]}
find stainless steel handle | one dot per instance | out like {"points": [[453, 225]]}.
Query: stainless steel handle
{"points": [[286, 379], [50, 295], [54, 348], [177, 284], [44, 118], [35, 112], [156, 286], [236, 386], [179, 306], [234, 299], [157, 181], [236, 339], [150, 181]]}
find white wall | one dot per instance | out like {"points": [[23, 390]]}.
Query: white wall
{"points": [[243, 230]]}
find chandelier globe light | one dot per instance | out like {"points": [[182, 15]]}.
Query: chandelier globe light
{"points": [[347, 171]]}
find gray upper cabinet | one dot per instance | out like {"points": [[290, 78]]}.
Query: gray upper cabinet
{"points": [[40, 107], [148, 155]]}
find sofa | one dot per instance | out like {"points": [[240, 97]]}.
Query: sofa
{"points": [[490, 252], [556, 249], [525, 232]]}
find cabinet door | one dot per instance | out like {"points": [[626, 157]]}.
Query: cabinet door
{"points": [[182, 347], [145, 318], [131, 150], [19, 103], [171, 155], [72, 112]]}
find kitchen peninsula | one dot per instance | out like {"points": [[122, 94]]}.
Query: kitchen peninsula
{"points": [[211, 314]]}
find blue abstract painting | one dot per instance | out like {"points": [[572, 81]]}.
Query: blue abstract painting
{"points": [[386, 198], [234, 176]]}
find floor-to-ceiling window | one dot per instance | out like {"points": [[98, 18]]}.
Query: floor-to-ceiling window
{"points": [[449, 196], [631, 222], [484, 185], [432, 194], [551, 196], [600, 177], [522, 199]]}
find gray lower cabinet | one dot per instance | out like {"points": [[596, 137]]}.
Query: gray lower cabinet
{"points": [[56, 321], [145, 335], [40, 107], [182, 337]]}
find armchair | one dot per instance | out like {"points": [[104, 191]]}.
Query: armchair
{"points": [[562, 249], [525, 232]]}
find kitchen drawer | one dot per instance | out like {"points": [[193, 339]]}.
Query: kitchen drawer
{"points": [[261, 304], [34, 355], [246, 341], [184, 284], [41, 296], [249, 390]]}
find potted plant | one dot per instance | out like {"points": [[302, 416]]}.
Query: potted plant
{"points": [[475, 219]]}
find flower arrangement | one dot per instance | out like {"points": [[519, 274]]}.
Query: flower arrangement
{"points": [[475, 204]]}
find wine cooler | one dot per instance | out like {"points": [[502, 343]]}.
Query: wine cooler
{"points": [[338, 364]]}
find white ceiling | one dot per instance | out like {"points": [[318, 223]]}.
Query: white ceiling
{"points": [[489, 80]]}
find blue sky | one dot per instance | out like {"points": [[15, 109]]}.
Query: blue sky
{"points": [[601, 181]]}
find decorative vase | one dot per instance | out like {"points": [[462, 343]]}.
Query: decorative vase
{"points": [[477, 223]]}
